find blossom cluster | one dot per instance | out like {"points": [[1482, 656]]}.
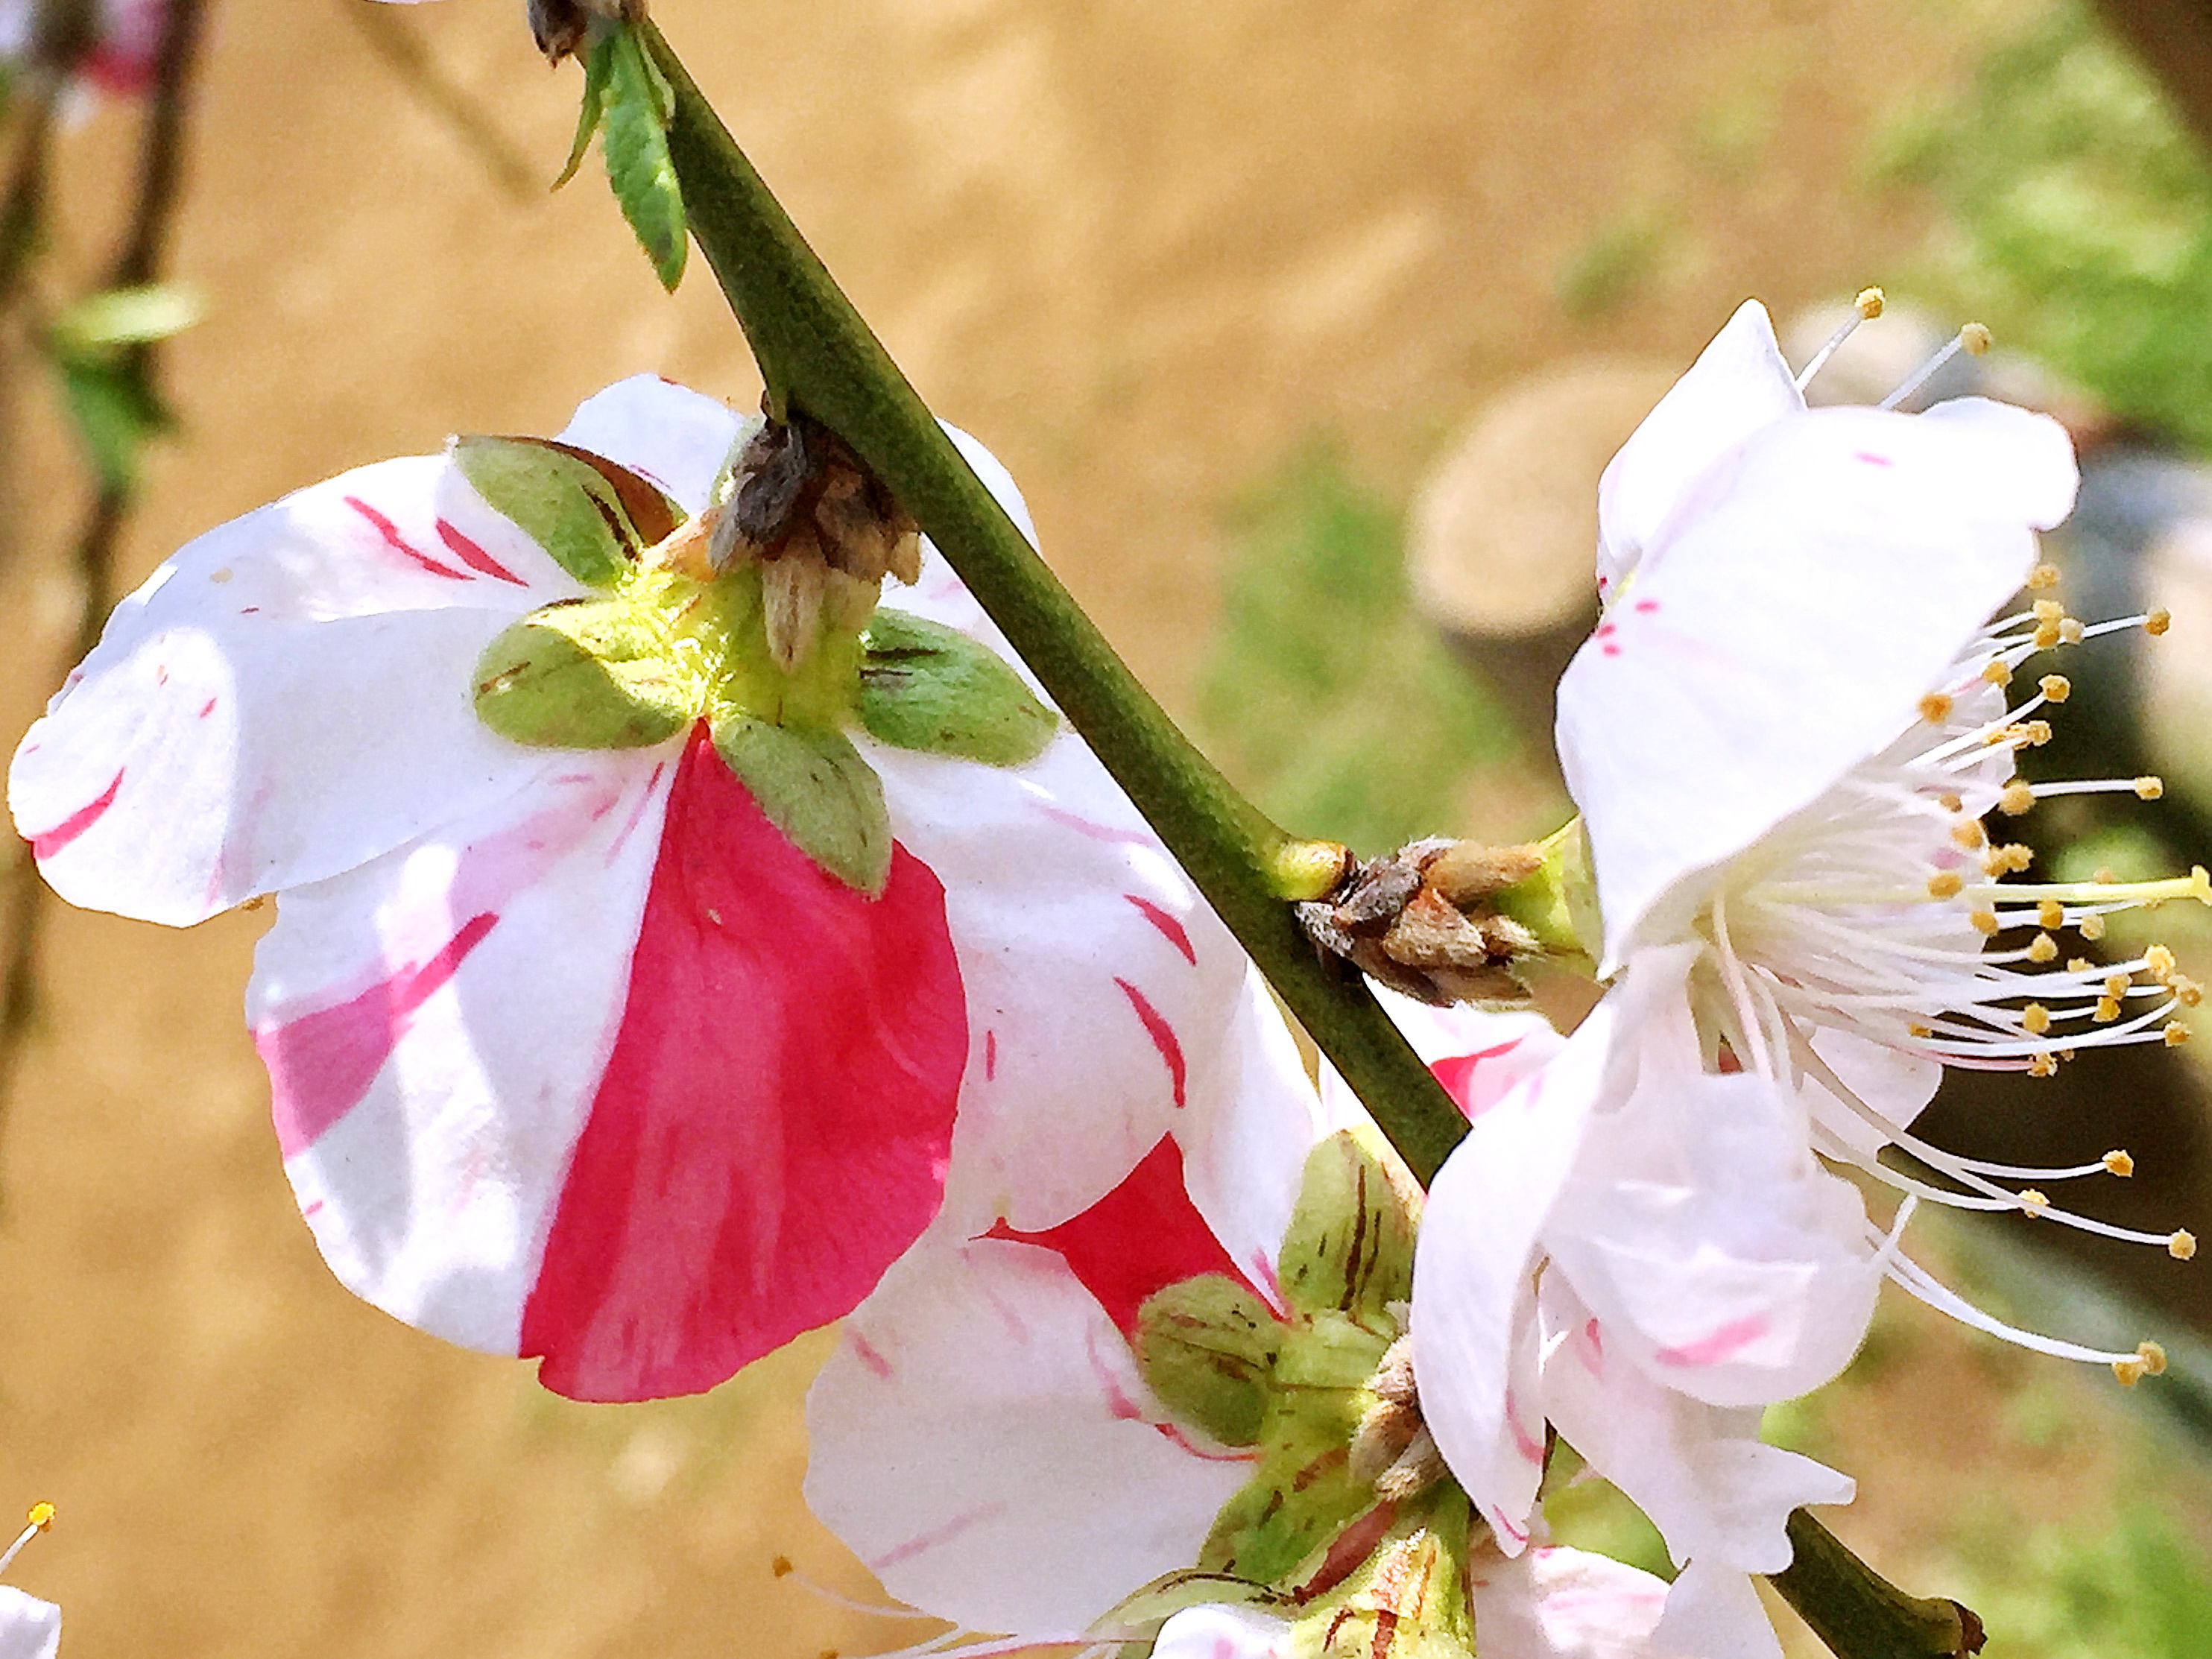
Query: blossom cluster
{"points": [[681, 943]]}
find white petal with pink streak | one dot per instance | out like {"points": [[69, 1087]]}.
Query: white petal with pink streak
{"points": [[1551, 1603], [427, 1105], [674, 438], [982, 1439], [29, 1628]]}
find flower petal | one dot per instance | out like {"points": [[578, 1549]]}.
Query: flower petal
{"points": [[1744, 676], [284, 699], [672, 437], [982, 1440], [434, 1025], [1714, 1612], [1739, 383], [1216, 1631], [773, 1125], [29, 1628], [1551, 1603]]}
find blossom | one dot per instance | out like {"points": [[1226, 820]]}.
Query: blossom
{"points": [[573, 1051], [1159, 1420], [29, 1628]]}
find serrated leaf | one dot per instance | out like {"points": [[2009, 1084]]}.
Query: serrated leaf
{"points": [[565, 503], [596, 68], [633, 141], [816, 789], [929, 687], [127, 316]]}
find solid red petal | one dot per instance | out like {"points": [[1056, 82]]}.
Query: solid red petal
{"points": [[772, 1126], [1142, 1237]]}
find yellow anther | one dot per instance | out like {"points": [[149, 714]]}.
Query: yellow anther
{"points": [[2009, 859], [2057, 688], [2149, 788], [2159, 962], [2050, 912], [2017, 798], [1984, 921], [2042, 576], [1936, 708], [2158, 622], [2186, 991], [1950, 803], [780, 1566], [2152, 1357], [2129, 1371], [2079, 964], [2175, 1034], [1997, 672], [2091, 928], [2034, 1201], [2048, 635], [2066, 1054], [2071, 631], [2035, 1019], [1975, 337], [2049, 611], [1945, 883], [2119, 1163], [2042, 1066], [1869, 303], [2182, 1246], [1920, 1030], [2043, 948], [41, 1516], [2034, 733], [2116, 985], [1969, 834], [2108, 1010]]}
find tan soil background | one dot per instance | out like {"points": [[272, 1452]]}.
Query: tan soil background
{"points": [[1143, 250]]}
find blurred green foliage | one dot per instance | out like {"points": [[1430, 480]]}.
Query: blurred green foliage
{"points": [[2079, 219], [2139, 1588], [1325, 696]]}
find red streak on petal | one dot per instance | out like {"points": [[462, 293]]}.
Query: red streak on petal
{"points": [[1142, 1237], [1163, 1036], [1084, 826], [1182, 1442], [1647, 606], [1457, 1071], [1168, 926], [869, 1355], [207, 708], [1610, 649], [990, 1055], [1518, 1534], [398, 543], [321, 1064], [45, 845], [772, 1126], [1603, 628], [308, 1211], [1725, 1343], [472, 555], [943, 1533], [1531, 1449], [1872, 459]]}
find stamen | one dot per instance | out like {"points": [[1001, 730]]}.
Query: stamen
{"points": [[1864, 309], [2057, 688], [1973, 339], [2042, 577], [2182, 1246], [2119, 1163], [1936, 708], [2148, 1360], [1917, 1281], [40, 1517], [2158, 622]]}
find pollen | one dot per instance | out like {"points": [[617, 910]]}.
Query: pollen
{"points": [[2048, 635], [2009, 859], [2035, 1018], [1984, 921], [1976, 338], [2042, 576], [2159, 962], [2077, 965], [780, 1567], [2149, 788], [42, 1516], [1936, 708], [2108, 1010], [2071, 631], [1997, 672], [2043, 948], [2033, 733], [2057, 688], [1970, 835], [2175, 1034], [2016, 798], [2050, 912], [2049, 611], [2186, 991], [1950, 803], [1869, 303], [1945, 883], [2182, 1246], [2091, 928], [2152, 1357], [1920, 1030], [2032, 1201], [2129, 1371], [2042, 1065], [2119, 1163], [2116, 985], [2158, 622]]}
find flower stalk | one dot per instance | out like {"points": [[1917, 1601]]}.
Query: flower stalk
{"points": [[817, 355]]}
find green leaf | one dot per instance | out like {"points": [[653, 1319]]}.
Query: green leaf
{"points": [[1206, 1346], [562, 501], [928, 687], [127, 316], [1350, 1245], [113, 414], [635, 142], [597, 67], [583, 674], [816, 789]]}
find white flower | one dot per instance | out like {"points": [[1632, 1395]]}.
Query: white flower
{"points": [[29, 1628], [573, 1053]]}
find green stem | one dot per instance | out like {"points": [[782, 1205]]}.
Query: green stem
{"points": [[1857, 1612], [816, 354]]}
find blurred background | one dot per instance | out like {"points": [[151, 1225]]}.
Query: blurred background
{"points": [[1306, 328]]}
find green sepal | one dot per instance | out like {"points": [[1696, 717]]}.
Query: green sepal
{"points": [[929, 687], [1407, 1600], [582, 674], [633, 140], [583, 518], [591, 112], [1136, 1620], [1302, 1492], [1559, 904], [816, 789], [1350, 1245], [1205, 1347]]}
